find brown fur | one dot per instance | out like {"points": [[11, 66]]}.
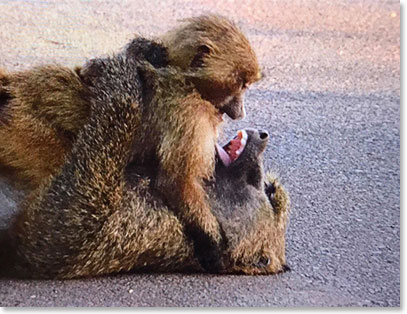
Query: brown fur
{"points": [[42, 112], [181, 143], [89, 220], [219, 57], [178, 126], [45, 107]]}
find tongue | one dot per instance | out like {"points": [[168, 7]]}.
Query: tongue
{"points": [[223, 155]]}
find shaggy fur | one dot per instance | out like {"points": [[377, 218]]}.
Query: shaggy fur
{"points": [[181, 111], [91, 219], [41, 113], [42, 110], [219, 57]]}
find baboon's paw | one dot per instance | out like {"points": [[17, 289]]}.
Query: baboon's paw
{"points": [[270, 189], [210, 257]]}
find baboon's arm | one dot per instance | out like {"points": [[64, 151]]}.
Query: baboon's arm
{"points": [[186, 159]]}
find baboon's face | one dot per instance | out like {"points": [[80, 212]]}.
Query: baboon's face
{"points": [[247, 208], [239, 173], [228, 99], [223, 81], [219, 58], [242, 157]]}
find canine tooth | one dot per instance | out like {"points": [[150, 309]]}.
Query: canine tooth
{"points": [[244, 135]]}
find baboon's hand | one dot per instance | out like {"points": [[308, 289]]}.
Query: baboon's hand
{"points": [[270, 190], [209, 253], [259, 267]]}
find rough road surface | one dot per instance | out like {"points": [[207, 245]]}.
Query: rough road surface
{"points": [[331, 101]]}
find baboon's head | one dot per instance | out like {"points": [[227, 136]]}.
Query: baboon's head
{"points": [[144, 49], [219, 59], [242, 158], [251, 206]]}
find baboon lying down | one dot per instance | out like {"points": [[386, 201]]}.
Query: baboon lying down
{"points": [[192, 76], [71, 241], [92, 219]]}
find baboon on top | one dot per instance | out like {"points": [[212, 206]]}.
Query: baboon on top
{"points": [[41, 113], [42, 109], [179, 115], [97, 216]]}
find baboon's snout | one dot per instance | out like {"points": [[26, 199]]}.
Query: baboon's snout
{"points": [[264, 135]]}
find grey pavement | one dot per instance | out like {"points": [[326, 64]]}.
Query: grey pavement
{"points": [[331, 101]]}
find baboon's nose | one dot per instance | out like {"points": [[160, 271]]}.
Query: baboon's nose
{"points": [[263, 134]]}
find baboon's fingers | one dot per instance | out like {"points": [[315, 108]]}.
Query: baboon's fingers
{"points": [[208, 251]]}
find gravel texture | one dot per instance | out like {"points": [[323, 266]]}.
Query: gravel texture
{"points": [[331, 101]]}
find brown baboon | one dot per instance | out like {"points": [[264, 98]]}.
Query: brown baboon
{"points": [[90, 220], [41, 110], [179, 115], [219, 56], [34, 137]]}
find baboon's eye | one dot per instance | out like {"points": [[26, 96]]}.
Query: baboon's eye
{"points": [[264, 261], [245, 84], [270, 190]]}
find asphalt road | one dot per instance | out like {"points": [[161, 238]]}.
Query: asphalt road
{"points": [[331, 101]]}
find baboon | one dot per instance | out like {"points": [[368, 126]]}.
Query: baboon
{"points": [[42, 109], [90, 219], [180, 115]]}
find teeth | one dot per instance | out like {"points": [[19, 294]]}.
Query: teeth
{"points": [[244, 136], [243, 141]]}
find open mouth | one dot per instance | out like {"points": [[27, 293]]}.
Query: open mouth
{"points": [[232, 150]]}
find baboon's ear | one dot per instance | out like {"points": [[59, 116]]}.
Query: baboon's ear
{"points": [[5, 97], [90, 71], [198, 60], [153, 52], [148, 79]]}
